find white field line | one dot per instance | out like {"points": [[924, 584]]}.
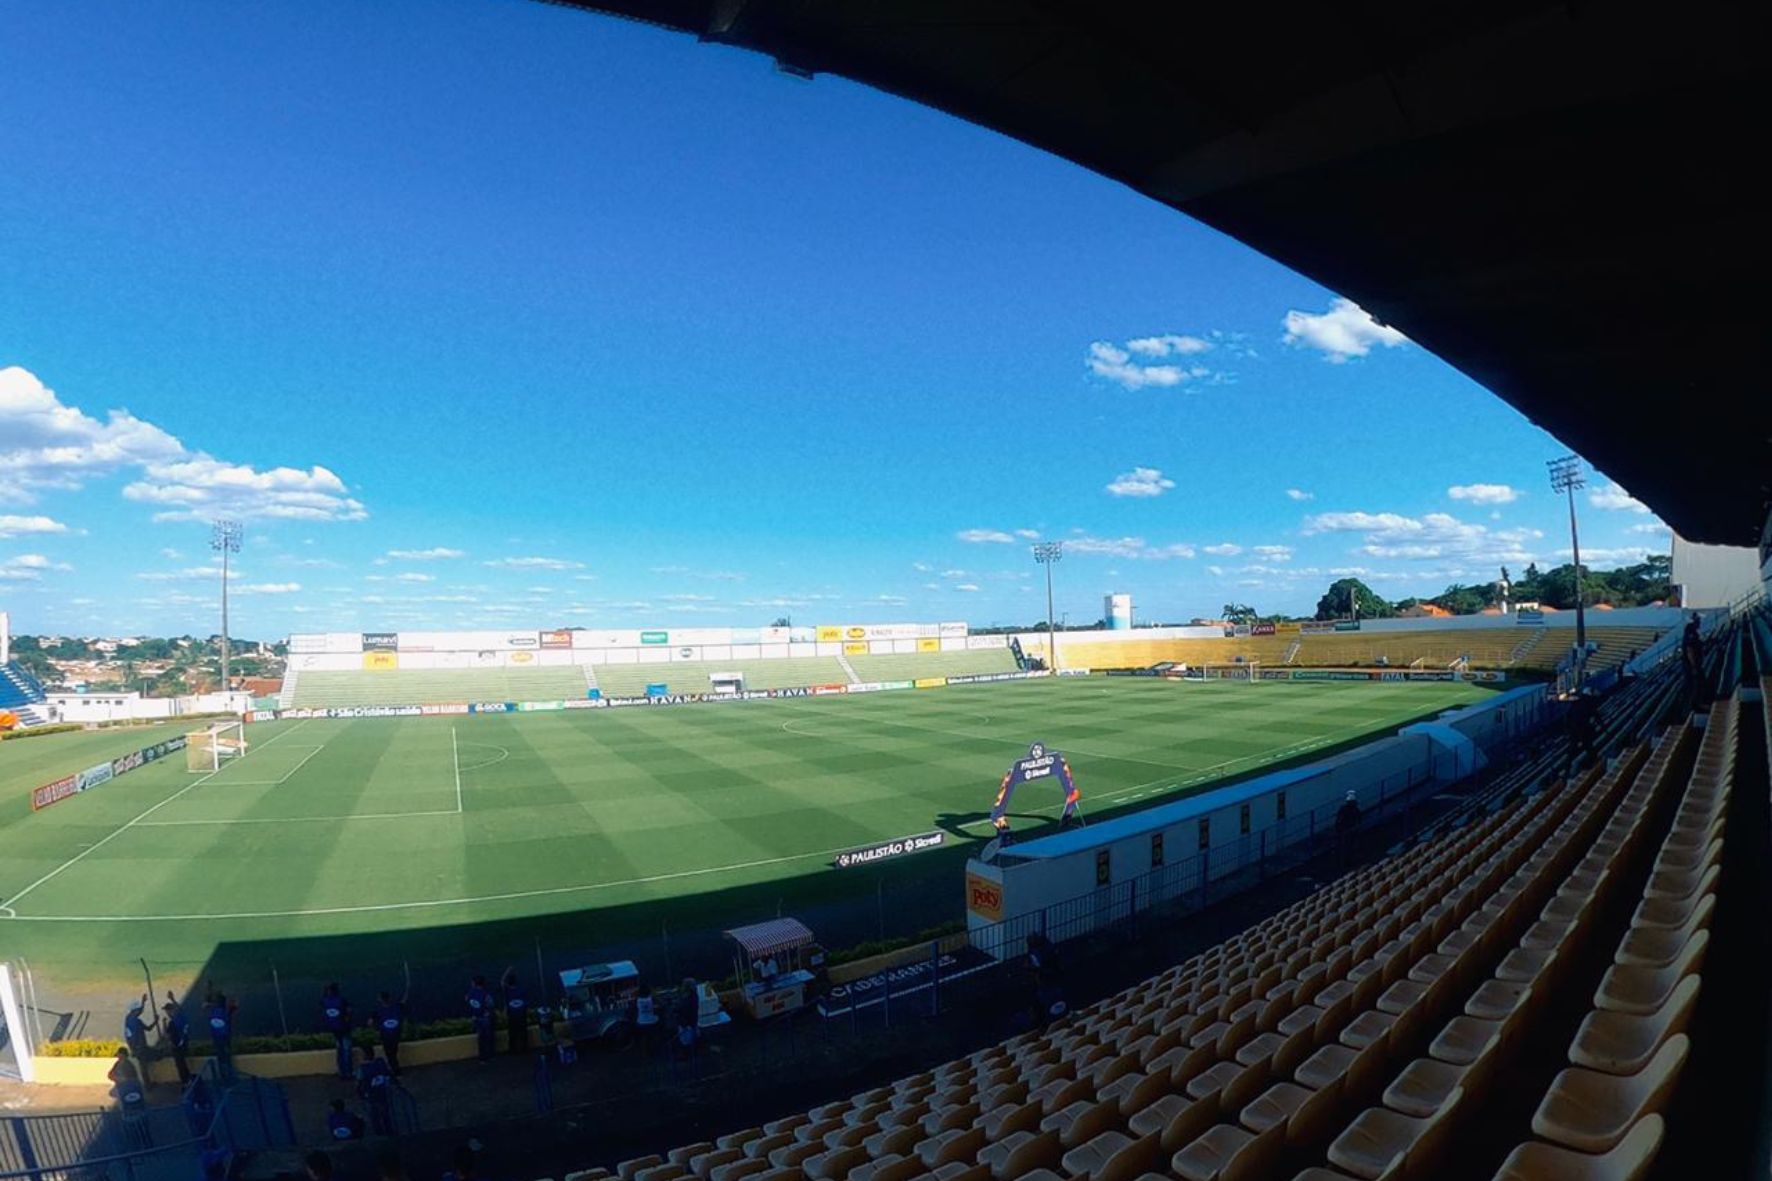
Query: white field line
{"points": [[11, 903], [503, 754], [278, 782], [455, 758], [423, 905], [297, 819]]}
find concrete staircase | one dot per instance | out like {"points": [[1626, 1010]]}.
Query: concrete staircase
{"points": [[848, 669]]}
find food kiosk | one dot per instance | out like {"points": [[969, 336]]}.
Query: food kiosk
{"points": [[769, 960]]}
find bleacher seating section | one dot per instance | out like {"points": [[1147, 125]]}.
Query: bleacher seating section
{"points": [[316, 689], [1363, 1032], [910, 666], [1482, 647], [22, 695]]}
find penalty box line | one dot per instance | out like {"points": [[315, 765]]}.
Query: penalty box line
{"points": [[455, 758], [10, 909]]}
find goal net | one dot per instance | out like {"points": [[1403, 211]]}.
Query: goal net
{"points": [[1247, 670], [208, 750]]}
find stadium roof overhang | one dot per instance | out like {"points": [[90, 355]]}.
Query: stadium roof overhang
{"points": [[1564, 201]]}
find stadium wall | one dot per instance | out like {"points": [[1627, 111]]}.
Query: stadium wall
{"points": [[1070, 882]]}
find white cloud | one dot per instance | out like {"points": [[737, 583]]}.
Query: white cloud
{"points": [[967, 586], [922, 567], [198, 487], [893, 599], [1345, 330], [1484, 493], [1274, 553], [534, 564], [1223, 549], [1126, 547], [1300, 494], [170, 554], [269, 588], [49, 445], [436, 553], [689, 598], [1140, 481], [415, 577], [189, 574], [956, 573], [28, 567], [1215, 571], [1163, 346], [1655, 528], [1612, 497], [13, 526], [1114, 363], [986, 537], [1028, 534], [1434, 535], [706, 575], [1603, 558]]}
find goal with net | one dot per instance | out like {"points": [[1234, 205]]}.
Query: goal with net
{"points": [[211, 749], [1247, 670]]}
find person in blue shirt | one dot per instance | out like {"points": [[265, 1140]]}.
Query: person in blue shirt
{"points": [[344, 1125], [175, 1032], [375, 1086], [135, 1030], [335, 1014], [516, 1014], [218, 1012], [390, 1017], [480, 1011]]}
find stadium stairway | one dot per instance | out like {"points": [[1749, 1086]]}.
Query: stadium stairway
{"points": [[23, 695]]}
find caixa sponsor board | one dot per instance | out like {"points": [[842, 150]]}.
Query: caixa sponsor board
{"points": [[101, 773], [887, 850]]}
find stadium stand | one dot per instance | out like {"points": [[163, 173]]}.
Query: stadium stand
{"points": [[689, 676], [1373, 1029], [22, 695], [318, 689], [1503, 648], [910, 666]]}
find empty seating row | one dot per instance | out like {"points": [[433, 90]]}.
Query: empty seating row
{"points": [[1600, 1118]]}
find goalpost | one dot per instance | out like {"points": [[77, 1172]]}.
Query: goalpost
{"points": [[207, 750]]}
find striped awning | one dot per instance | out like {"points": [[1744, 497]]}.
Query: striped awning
{"points": [[765, 939]]}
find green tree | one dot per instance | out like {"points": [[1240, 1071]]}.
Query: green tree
{"points": [[1343, 591], [1239, 613]]}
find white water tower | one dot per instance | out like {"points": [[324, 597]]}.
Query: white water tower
{"points": [[1117, 610]]}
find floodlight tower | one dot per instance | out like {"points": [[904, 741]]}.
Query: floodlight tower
{"points": [[224, 539], [1046, 553], [1566, 477]]}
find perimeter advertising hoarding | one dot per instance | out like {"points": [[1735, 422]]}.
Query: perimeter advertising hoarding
{"points": [[101, 773], [556, 639], [1531, 616], [888, 850], [827, 633], [1262, 629], [855, 648], [950, 630], [380, 641], [380, 660], [928, 644]]}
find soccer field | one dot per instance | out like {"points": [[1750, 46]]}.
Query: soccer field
{"points": [[427, 839]]}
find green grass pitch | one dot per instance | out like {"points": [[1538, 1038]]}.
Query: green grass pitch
{"points": [[435, 840]]}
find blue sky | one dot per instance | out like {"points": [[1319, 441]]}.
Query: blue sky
{"points": [[495, 313]]}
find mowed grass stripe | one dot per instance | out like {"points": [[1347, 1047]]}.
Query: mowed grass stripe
{"points": [[610, 808]]}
